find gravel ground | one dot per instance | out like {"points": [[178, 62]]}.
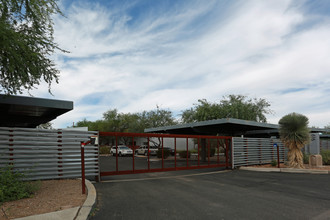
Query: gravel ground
{"points": [[53, 195]]}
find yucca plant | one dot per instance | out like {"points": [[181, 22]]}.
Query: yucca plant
{"points": [[294, 133]]}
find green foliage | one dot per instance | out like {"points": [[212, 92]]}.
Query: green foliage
{"points": [[166, 153], [294, 129], [194, 151], [273, 163], [325, 157], [12, 187], [26, 43], [104, 149], [183, 154], [232, 106], [113, 121], [306, 158]]}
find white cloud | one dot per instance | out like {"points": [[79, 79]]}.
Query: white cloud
{"points": [[174, 58]]}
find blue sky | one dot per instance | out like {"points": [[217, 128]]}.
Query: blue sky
{"points": [[134, 55]]}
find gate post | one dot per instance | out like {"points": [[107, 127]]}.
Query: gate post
{"points": [[82, 150]]}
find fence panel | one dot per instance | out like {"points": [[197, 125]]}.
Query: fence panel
{"points": [[48, 154], [253, 151], [324, 145]]}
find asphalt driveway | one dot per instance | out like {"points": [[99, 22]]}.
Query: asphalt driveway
{"points": [[213, 194]]}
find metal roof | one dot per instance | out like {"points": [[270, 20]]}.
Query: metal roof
{"points": [[225, 126], [29, 112]]}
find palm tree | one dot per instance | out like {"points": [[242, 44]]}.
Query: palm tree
{"points": [[294, 133]]}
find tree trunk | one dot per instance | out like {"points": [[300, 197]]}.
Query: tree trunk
{"points": [[295, 157]]}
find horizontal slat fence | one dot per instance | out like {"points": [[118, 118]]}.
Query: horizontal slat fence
{"points": [[324, 144], [48, 154], [253, 151]]}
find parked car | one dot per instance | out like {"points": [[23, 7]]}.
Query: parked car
{"points": [[144, 150], [122, 150]]}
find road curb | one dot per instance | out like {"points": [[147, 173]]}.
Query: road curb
{"points": [[86, 208], [285, 170]]}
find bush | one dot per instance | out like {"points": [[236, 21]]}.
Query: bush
{"points": [[325, 157], [183, 154], [273, 163], [12, 186], [104, 149], [306, 158], [194, 151], [166, 153]]}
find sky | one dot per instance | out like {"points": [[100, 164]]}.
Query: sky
{"points": [[135, 55]]}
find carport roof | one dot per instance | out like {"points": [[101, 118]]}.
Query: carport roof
{"points": [[225, 126], [29, 112]]}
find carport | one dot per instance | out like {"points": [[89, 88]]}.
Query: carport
{"points": [[224, 127], [29, 112]]}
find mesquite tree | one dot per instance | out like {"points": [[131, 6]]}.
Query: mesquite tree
{"points": [[26, 44]]}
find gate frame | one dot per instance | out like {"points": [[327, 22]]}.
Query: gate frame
{"points": [[227, 164]]}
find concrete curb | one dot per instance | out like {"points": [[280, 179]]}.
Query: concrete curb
{"points": [[76, 213], [86, 208], [285, 170], [63, 214]]}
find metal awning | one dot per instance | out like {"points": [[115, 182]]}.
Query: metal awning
{"points": [[225, 126], [29, 112]]}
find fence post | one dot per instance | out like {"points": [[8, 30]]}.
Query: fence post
{"points": [[226, 152], [175, 152], [278, 156], [82, 150]]}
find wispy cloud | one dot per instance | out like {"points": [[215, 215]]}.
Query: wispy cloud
{"points": [[133, 57]]}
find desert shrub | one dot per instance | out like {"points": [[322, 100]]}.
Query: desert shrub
{"points": [[306, 157], [325, 157], [166, 153], [104, 149], [183, 154], [12, 186], [273, 163], [194, 151]]}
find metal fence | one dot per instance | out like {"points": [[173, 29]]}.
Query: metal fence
{"points": [[253, 151], [142, 153], [47, 154], [324, 144]]}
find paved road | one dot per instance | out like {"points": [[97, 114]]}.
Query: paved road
{"points": [[210, 194]]}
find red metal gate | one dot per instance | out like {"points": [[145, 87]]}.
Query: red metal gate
{"points": [[142, 152]]}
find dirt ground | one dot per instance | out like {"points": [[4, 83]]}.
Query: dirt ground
{"points": [[53, 195]]}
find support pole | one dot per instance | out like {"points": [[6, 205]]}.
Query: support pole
{"points": [[278, 156], [83, 184]]}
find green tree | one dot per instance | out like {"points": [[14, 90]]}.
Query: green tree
{"points": [[26, 42], [113, 121], [157, 118], [294, 133], [232, 106]]}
